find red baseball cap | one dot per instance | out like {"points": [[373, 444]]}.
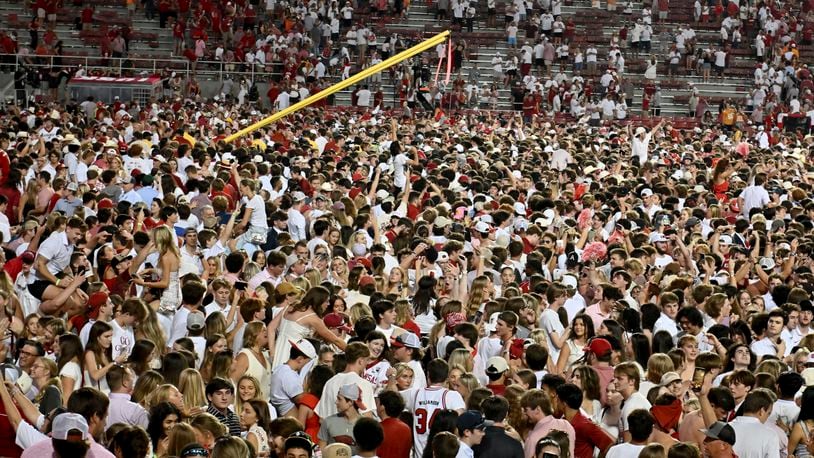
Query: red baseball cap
{"points": [[598, 346]]}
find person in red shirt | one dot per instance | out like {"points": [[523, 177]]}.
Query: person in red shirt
{"points": [[589, 435], [398, 440], [496, 369]]}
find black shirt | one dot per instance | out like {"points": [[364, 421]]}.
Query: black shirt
{"points": [[497, 443]]}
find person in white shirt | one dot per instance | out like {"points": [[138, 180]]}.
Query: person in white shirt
{"points": [[767, 328], [640, 142], [286, 384], [669, 311], [640, 423], [129, 314], [192, 294], [296, 220], [626, 377], [363, 97], [254, 219], [754, 196], [755, 439], [357, 355], [471, 430]]}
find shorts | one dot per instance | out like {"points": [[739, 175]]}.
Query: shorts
{"points": [[720, 69], [557, 34], [52, 17], [539, 62], [37, 289], [512, 41], [548, 63], [41, 13]]}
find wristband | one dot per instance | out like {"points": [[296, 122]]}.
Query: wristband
{"points": [[57, 283]]}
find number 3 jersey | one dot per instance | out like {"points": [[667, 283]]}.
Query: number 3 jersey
{"points": [[425, 403]]}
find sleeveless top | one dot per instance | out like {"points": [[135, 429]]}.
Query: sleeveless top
{"points": [[258, 371], [262, 440], [312, 423], [575, 354], [801, 451], [289, 331]]}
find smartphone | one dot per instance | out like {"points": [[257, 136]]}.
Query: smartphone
{"points": [[698, 378], [241, 285]]}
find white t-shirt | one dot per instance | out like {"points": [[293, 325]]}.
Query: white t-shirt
{"points": [[179, 325], [258, 219], [634, 402], [285, 386], [399, 178], [72, 371], [123, 339], [550, 322], [327, 403], [624, 450]]}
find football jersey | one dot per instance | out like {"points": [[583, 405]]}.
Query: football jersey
{"points": [[424, 404]]}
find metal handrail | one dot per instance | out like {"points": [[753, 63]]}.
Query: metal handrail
{"points": [[155, 67]]}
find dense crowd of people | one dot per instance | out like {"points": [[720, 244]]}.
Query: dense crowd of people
{"points": [[393, 283], [405, 279]]}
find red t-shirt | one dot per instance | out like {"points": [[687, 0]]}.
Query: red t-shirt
{"points": [[588, 435], [398, 439]]}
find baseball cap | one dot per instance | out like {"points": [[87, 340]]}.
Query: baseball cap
{"points": [[305, 347], [367, 280], [299, 439], [105, 203], [337, 450], [28, 257], [193, 449], [336, 321], [720, 431], [646, 192], [472, 419], [491, 325], [669, 378], [65, 424], [298, 196], [353, 393], [196, 321], [408, 339], [725, 240], [692, 222], [598, 346], [285, 288], [496, 365]]}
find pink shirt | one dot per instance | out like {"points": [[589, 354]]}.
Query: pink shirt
{"points": [[45, 448], [596, 314], [545, 426]]}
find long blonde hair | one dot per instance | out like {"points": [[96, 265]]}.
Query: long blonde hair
{"points": [[165, 241], [191, 385], [238, 400], [146, 385], [161, 394], [477, 295], [151, 330], [53, 377]]}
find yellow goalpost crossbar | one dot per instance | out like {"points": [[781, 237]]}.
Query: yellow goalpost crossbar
{"points": [[406, 54]]}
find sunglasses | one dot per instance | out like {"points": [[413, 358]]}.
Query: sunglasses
{"points": [[199, 451]]}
